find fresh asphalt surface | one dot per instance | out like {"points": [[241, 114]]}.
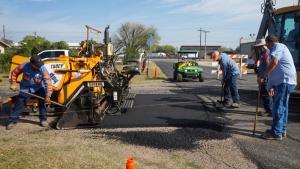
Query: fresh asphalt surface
{"points": [[179, 109]]}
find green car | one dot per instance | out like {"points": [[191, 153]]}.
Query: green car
{"points": [[187, 69]]}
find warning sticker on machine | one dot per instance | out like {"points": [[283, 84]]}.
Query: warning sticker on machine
{"points": [[55, 78]]}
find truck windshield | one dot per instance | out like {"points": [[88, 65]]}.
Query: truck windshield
{"points": [[288, 32]]}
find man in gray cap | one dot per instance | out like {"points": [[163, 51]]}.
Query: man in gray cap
{"points": [[264, 60]]}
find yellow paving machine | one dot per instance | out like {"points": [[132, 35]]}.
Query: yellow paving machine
{"points": [[87, 86]]}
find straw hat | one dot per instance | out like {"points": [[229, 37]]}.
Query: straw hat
{"points": [[260, 42]]}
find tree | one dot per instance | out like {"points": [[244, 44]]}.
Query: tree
{"points": [[132, 38], [5, 58], [33, 45], [30, 45], [169, 49], [60, 45]]}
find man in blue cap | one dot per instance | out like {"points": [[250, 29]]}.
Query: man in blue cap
{"points": [[36, 80]]}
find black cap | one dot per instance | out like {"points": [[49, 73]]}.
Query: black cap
{"points": [[36, 61]]}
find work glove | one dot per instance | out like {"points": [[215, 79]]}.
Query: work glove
{"points": [[13, 87], [47, 99]]}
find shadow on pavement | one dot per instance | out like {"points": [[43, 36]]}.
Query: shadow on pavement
{"points": [[204, 124], [178, 139], [244, 132]]}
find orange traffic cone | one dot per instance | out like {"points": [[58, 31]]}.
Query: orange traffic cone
{"points": [[155, 72], [130, 163]]}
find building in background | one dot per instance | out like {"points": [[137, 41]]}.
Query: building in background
{"points": [[246, 48], [201, 50], [73, 45], [4, 46]]}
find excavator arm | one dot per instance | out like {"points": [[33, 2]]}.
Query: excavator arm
{"points": [[268, 21]]}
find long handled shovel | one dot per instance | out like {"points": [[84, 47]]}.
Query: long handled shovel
{"points": [[222, 95], [41, 98], [257, 105]]}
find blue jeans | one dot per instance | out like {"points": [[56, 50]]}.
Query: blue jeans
{"points": [[281, 108], [231, 88], [266, 99], [20, 106]]}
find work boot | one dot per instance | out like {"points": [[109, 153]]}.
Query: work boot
{"points": [[226, 104], [284, 135], [269, 135], [44, 123], [235, 105], [10, 125]]}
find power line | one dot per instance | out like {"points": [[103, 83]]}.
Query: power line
{"points": [[205, 52], [200, 30], [4, 31]]}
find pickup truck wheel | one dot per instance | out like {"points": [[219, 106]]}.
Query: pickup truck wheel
{"points": [[201, 78], [179, 77], [174, 76]]}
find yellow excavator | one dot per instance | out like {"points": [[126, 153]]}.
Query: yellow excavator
{"points": [[87, 86], [285, 24]]}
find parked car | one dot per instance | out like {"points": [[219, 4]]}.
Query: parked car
{"points": [[53, 53], [187, 69]]}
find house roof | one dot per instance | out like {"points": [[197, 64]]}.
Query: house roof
{"points": [[4, 44], [187, 51]]}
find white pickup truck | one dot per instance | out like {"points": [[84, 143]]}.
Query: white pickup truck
{"points": [[53, 53]]}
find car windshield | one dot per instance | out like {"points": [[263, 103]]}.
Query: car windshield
{"points": [[45, 55]]}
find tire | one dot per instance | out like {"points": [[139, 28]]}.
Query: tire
{"points": [[174, 76], [201, 78], [179, 77]]}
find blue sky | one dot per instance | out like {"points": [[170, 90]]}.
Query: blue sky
{"points": [[177, 21]]}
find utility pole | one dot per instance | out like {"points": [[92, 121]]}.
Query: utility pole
{"points": [[3, 31], [205, 32], [149, 42], [205, 52], [200, 30]]}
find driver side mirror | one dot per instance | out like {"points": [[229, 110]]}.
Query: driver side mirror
{"points": [[297, 17]]}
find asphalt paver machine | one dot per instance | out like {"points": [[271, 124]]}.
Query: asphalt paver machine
{"points": [[87, 86]]}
